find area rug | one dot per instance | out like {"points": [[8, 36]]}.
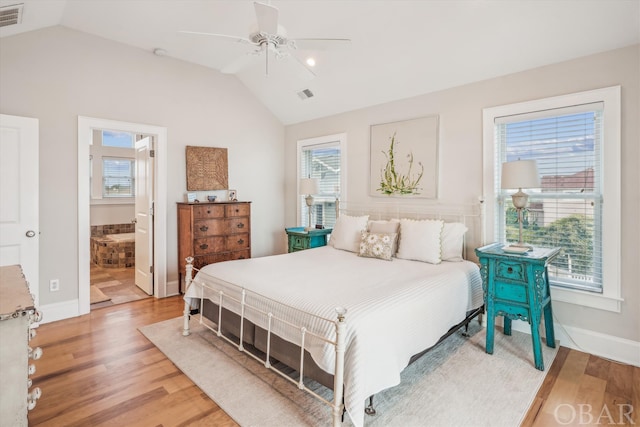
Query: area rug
{"points": [[455, 384], [96, 295]]}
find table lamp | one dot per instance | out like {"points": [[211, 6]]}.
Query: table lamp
{"points": [[520, 174], [309, 187]]}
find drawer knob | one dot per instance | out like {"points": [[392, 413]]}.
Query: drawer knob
{"points": [[32, 398], [35, 353], [510, 270], [237, 210], [204, 228], [204, 246], [208, 211], [241, 241], [240, 225]]}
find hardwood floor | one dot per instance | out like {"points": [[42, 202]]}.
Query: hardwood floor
{"points": [[98, 369]]}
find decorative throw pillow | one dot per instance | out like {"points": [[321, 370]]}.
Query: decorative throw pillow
{"points": [[346, 232], [377, 245], [453, 241], [420, 240], [386, 227]]}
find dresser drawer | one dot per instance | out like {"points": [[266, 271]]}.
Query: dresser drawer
{"points": [[511, 270], [511, 292], [202, 260], [208, 245], [246, 254], [208, 211], [208, 227], [237, 242], [297, 243], [237, 210], [237, 225]]}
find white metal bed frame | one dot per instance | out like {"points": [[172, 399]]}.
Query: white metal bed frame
{"points": [[459, 213]]}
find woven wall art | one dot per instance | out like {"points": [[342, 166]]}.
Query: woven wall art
{"points": [[207, 168]]}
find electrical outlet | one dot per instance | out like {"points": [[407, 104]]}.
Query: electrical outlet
{"points": [[54, 285]]}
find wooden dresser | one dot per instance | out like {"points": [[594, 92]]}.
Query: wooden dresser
{"points": [[17, 313], [213, 232]]}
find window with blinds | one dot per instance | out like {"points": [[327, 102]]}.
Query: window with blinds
{"points": [[566, 211], [118, 177], [323, 162]]}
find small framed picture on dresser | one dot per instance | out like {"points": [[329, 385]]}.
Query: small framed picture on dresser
{"points": [[233, 196]]}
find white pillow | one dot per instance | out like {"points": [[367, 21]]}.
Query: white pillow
{"points": [[420, 240], [346, 232], [453, 241], [386, 227]]}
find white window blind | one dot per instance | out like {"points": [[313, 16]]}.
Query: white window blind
{"points": [[118, 177], [321, 161], [566, 211]]}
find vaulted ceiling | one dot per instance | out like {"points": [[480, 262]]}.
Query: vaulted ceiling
{"points": [[398, 48]]}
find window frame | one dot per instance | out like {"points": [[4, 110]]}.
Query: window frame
{"points": [[610, 299], [98, 151], [341, 139], [131, 177]]}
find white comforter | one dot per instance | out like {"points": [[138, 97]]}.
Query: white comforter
{"points": [[395, 309]]}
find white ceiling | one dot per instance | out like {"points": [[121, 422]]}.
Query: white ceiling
{"points": [[399, 48]]}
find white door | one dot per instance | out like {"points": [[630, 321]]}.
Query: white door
{"points": [[19, 230], [144, 214]]}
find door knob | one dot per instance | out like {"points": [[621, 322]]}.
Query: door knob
{"points": [[30, 233]]}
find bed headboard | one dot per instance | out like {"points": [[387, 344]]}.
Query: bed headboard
{"points": [[470, 215]]}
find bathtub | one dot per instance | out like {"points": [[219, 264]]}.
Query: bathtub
{"points": [[114, 250], [122, 237]]}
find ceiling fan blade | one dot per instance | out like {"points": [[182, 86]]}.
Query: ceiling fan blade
{"points": [[267, 16], [321, 44], [221, 37]]}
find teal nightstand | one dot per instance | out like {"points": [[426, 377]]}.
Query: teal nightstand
{"points": [[300, 240], [517, 287]]}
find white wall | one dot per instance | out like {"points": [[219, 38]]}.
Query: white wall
{"points": [[57, 74], [460, 111]]}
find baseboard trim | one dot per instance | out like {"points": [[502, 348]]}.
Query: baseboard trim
{"points": [[173, 288], [596, 343], [59, 311]]}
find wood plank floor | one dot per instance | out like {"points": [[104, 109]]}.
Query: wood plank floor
{"points": [[99, 370]]}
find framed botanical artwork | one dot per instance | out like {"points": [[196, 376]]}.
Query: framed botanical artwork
{"points": [[404, 159]]}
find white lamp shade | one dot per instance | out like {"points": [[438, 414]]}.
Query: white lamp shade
{"points": [[520, 174], [309, 186]]}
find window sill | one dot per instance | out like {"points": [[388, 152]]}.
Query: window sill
{"points": [[586, 299], [113, 201]]}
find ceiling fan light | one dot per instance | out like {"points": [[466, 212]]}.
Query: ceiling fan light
{"points": [[311, 62]]}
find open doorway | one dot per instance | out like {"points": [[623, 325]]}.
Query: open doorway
{"points": [[108, 190], [121, 196]]}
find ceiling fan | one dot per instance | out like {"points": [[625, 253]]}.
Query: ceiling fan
{"points": [[268, 36]]}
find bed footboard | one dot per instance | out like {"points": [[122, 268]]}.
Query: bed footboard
{"points": [[238, 306]]}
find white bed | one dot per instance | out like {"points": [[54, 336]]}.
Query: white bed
{"points": [[394, 309]]}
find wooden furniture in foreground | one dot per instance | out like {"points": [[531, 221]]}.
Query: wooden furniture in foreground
{"points": [[517, 287], [17, 313], [299, 240], [213, 232]]}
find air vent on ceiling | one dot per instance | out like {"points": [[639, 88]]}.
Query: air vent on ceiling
{"points": [[11, 15], [305, 94]]}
